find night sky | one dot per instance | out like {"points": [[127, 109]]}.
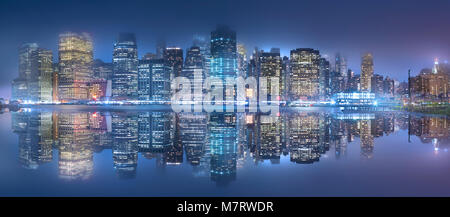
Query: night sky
{"points": [[401, 34]]}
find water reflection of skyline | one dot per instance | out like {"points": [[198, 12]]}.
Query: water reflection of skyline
{"points": [[216, 145]]}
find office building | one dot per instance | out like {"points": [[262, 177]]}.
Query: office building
{"points": [[125, 68], [75, 66]]}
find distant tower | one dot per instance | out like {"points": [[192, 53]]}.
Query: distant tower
{"points": [[366, 72], [436, 66], [160, 48], [341, 65]]}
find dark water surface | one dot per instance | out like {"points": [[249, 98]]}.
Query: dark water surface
{"points": [[300, 152]]}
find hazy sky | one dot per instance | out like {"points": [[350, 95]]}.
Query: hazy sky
{"points": [[401, 34]]}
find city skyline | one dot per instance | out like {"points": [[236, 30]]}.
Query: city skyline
{"points": [[407, 42]]}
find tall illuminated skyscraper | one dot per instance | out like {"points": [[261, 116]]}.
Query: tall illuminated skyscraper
{"points": [[339, 77], [304, 73], [35, 74], [242, 60], [75, 61], [159, 81], [341, 65], [223, 53], [125, 68], [41, 86], [144, 79], [271, 67], [324, 79], [75, 66], [366, 72], [20, 84]]}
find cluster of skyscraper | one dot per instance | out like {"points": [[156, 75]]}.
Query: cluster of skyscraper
{"points": [[431, 85], [77, 77]]}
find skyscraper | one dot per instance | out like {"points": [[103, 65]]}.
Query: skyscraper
{"points": [[242, 60], [376, 84], [271, 67], [324, 79], [40, 85], [20, 84], [341, 65], [35, 74], [194, 70], [160, 48], [194, 58], [304, 73], [285, 71], [159, 80], [144, 79], [101, 86], [75, 66], [125, 68], [203, 42], [173, 58], [366, 72], [223, 53]]}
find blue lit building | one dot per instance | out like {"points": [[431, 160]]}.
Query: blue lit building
{"points": [[125, 68], [223, 53], [159, 81], [154, 80], [144, 79]]}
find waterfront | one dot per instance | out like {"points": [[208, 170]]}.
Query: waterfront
{"points": [[300, 152]]}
